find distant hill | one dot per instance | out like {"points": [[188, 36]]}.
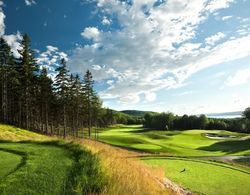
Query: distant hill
{"points": [[137, 113]]}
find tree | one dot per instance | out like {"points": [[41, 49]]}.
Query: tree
{"points": [[246, 113], [28, 74], [61, 87], [5, 63], [90, 96], [45, 97]]}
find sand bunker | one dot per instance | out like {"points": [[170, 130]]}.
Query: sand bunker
{"points": [[216, 136]]}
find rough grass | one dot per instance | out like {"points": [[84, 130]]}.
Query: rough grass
{"points": [[45, 166], [126, 174], [179, 143], [8, 132], [204, 177]]}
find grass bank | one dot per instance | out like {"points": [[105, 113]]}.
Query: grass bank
{"points": [[46, 166]]}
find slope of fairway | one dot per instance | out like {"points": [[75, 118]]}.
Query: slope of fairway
{"points": [[45, 167], [8, 163], [204, 177], [182, 143]]}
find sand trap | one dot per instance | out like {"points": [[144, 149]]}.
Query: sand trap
{"points": [[216, 136]]}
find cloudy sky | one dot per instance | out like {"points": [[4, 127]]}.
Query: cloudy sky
{"points": [[184, 56]]}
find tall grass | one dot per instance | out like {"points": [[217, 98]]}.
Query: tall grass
{"points": [[86, 175], [127, 175]]}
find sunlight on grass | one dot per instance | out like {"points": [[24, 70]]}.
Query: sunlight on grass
{"points": [[204, 177], [182, 143], [127, 175]]}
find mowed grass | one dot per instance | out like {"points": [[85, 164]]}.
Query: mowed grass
{"points": [[203, 177], [46, 166], [200, 176], [44, 169], [8, 163], [179, 143]]}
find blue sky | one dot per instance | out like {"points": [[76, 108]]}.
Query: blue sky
{"points": [[184, 56]]}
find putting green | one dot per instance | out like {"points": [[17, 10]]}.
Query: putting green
{"points": [[204, 177]]}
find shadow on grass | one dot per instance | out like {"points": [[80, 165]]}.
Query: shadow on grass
{"points": [[85, 175], [23, 161], [228, 147]]}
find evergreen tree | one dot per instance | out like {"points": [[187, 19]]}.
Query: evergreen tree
{"points": [[28, 74], [45, 97], [90, 95], [5, 57], [62, 89]]}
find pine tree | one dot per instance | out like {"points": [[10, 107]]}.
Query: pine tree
{"points": [[62, 88], [4, 56], [28, 73], [93, 102], [45, 97]]}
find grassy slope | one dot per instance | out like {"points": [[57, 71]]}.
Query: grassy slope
{"points": [[183, 143], [45, 166], [204, 177]]}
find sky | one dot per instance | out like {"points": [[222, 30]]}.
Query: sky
{"points": [[182, 56]]}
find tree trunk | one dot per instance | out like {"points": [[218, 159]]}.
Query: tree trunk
{"points": [[64, 122]]}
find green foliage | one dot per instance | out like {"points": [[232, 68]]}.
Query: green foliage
{"points": [[169, 121], [246, 113]]}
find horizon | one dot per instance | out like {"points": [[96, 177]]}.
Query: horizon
{"points": [[177, 56]]}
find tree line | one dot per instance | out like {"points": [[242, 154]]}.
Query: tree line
{"points": [[169, 121], [31, 99]]}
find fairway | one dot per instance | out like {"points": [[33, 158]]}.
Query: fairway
{"points": [[8, 163], [178, 143], [185, 148], [37, 170], [204, 177], [45, 166]]}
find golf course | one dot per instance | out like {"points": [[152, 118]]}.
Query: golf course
{"points": [[191, 158]]}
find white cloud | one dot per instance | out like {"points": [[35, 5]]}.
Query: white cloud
{"points": [[51, 59], [150, 96], [214, 38], [106, 21], [13, 41], [184, 93], [155, 48], [30, 2], [130, 99], [218, 4], [239, 78], [226, 18], [2, 17], [91, 33]]}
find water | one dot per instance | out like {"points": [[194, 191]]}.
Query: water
{"points": [[224, 116]]}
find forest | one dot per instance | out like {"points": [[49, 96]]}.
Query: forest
{"points": [[31, 99], [169, 121]]}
